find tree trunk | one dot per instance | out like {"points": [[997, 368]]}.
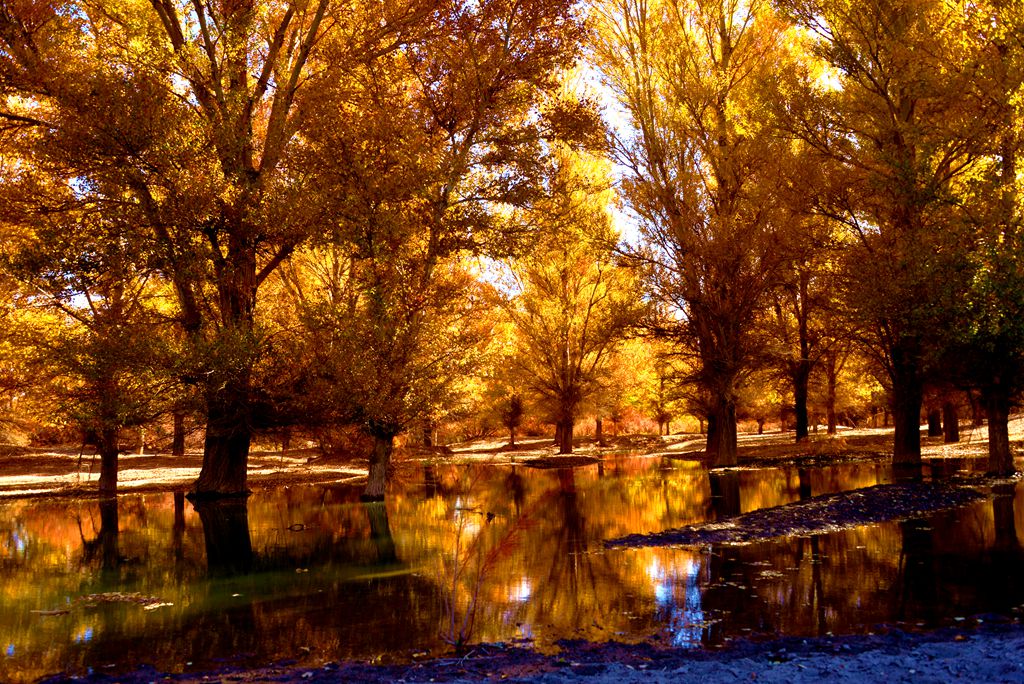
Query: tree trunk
{"points": [[950, 423], [906, 411], [977, 414], [760, 426], [801, 378], [934, 422], [997, 405], [721, 444], [226, 446], [178, 440], [831, 379], [380, 459], [565, 444], [559, 427], [599, 431], [107, 446], [512, 436]]}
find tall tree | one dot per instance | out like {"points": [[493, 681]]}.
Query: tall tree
{"points": [[894, 107], [571, 302], [188, 111], [702, 156], [436, 143]]}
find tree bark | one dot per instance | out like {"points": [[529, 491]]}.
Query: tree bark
{"points": [[721, 443], [108, 448], [950, 423], [997, 405], [380, 459], [226, 445], [934, 422], [831, 379], [565, 444], [512, 436], [801, 379], [906, 411], [178, 440]]}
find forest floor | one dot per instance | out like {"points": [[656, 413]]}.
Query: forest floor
{"points": [[38, 471]]}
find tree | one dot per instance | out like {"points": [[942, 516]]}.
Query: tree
{"points": [[187, 113], [570, 302], [98, 351], [434, 148], [891, 109], [990, 351], [702, 159]]}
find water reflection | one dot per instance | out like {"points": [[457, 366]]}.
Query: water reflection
{"points": [[477, 553], [226, 535]]}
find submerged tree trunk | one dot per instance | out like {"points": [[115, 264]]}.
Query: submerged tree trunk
{"points": [[226, 446], [108, 447], [380, 459], [721, 442], [997, 405], [950, 423]]}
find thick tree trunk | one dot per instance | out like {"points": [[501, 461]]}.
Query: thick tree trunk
{"points": [[760, 426], [511, 436], [107, 447], [950, 423], [226, 446], [178, 440], [565, 444], [380, 459], [721, 443], [934, 422], [599, 431], [559, 428], [801, 378], [906, 410], [997, 405]]}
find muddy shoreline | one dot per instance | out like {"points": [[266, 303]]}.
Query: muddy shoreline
{"points": [[988, 648]]}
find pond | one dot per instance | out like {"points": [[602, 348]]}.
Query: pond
{"points": [[479, 553]]}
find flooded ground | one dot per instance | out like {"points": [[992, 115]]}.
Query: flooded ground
{"points": [[470, 553]]}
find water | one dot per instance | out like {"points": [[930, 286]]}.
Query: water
{"points": [[481, 553]]}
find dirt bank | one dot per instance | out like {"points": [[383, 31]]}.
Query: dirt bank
{"points": [[984, 653]]}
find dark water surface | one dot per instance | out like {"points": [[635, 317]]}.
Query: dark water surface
{"points": [[488, 552]]}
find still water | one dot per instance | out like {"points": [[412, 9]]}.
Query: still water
{"points": [[478, 553]]}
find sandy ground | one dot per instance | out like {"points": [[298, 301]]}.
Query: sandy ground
{"points": [[26, 471]]}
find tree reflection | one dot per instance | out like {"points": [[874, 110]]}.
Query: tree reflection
{"points": [[380, 531], [725, 493], [226, 533], [105, 546]]}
